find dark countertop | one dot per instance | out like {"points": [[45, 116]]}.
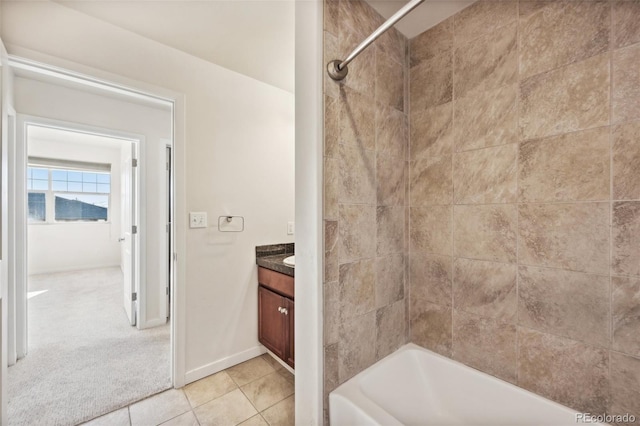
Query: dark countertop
{"points": [[271, 257], [275, 264]]}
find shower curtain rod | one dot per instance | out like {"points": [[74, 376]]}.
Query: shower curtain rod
{"points": [[338, 70]]}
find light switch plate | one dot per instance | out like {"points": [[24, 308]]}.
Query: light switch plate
{"points": [[197, 219], [291, 228]]}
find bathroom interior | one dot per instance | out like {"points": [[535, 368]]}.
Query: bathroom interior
{"points": [[470, 188]]}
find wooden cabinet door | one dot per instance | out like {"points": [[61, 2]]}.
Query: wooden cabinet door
{"points": [[291, 334], [271, 321]]}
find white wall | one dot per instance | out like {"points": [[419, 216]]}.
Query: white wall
{"points": [[61, 246], [239, 161], [43, 99]]}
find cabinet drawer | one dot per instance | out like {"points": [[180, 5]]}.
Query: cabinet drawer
{"points": [[276, 281]]}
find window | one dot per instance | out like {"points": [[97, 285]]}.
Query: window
{"points": [[68, 191]]}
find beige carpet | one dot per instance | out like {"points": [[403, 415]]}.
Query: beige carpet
{"points": [[84, 358]]}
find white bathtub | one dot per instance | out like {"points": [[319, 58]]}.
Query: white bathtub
{"points": [[414, 386]]}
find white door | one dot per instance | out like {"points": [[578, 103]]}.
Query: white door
{"points": [[129, 231]]}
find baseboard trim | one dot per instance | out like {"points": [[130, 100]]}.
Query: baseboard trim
{"points": [[221, 364]]}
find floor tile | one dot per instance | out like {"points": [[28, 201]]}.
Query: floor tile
{"points": [[159, 408], [209, 388], [286, 374], [256, 420], [229, 409], [271, 361], [114, 418], [249, 371], [281, 414], [268, 390], [186, 419]]}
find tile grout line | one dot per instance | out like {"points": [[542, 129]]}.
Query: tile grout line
{"points": [[517, 316]]}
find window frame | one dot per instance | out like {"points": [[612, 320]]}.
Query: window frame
{"points": [[50, 194]]}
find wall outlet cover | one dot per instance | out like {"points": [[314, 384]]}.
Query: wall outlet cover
{"points": [[291, 228], [197, 219]]}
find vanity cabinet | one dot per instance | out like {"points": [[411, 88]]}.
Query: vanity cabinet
{"points": [[276, 313]]}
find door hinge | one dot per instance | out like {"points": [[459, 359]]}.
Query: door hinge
{"points": [[134, 162], [168, 166], [168, 227], [134, 297], [175, 257], [134, 229], [167, 292]]}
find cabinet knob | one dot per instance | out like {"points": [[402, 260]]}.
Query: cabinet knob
{"points": [[285, 311], [280, 309]]}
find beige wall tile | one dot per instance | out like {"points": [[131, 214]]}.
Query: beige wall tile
{"points": [[357, 175], [431, 229], [432, 132], [331, 187], [625, 385], [567, 236], [393, 43], [389, 280], [331, 368], [625, 101], [357, 232], [563, 370], [569, 167], [625, 302], [437, 40], [390, 329], [357, 115], [571, 98], [389, 81], [431, 327], [431, 82], [331, 127], [362, 73], [358, 16], [330, 250], [485, 344], [564, 303], [625, 17], [331, 17], [485, 176], [431, 181], [482, 17], [487, 289], [331, 51], [430, 280], [390, 180], [626, 157], [554, 34], [357, 288], [391, 135], [486, 118], [357, 347], [625, 247], [332, 316], [390, 230], [485, 232], [487, 62]]}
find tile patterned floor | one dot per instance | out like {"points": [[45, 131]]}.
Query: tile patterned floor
{"points": [[258, 392]]}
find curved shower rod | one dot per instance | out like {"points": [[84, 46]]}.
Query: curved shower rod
{"points": [[338, 70]]}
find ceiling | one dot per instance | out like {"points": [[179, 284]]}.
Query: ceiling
{"points": [[51, 134], [252, 37], [425, 16]]}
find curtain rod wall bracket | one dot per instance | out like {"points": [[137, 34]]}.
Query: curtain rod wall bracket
{"points": [[337, 69], [334, 70]]}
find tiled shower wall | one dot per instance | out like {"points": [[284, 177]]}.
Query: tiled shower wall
{"points": [[365, 169], [525, 196]]}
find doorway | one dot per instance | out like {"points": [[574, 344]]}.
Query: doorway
{"points": [[144, 320]]}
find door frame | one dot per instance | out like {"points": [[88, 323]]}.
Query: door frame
{"points": [[21, 221], [94, 78]]}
